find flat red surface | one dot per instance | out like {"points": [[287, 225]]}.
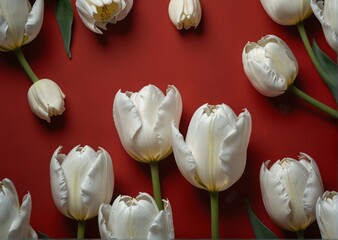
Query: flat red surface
{"points": [[205, 65]]}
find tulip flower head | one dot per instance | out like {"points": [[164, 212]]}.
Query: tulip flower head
{"points": [[95, 14], [14, 219], [213, 156], [143, 119], [46, 99], [290, 189], [327, 14], [185, 13], [327, 215], [20, 22], [136, 218], [287, 12], [270, 65], [81, 181]]}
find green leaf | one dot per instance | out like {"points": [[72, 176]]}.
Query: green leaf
{"points": [[260, 230], [64, 17], [42, 235], [330, 68]]}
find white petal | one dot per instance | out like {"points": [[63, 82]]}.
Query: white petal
{"points": [[34, 22], [103, 219], [20, 227], [86, 14], [175, 10], [234, 149], [97, 187], [4, 44], [58, 182], [275, 197], [184, 158], [170, 110], [122, 14]]}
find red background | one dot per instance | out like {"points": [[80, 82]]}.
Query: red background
{"points": [[205, 65]]}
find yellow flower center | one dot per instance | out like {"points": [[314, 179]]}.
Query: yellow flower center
{"points": [[106, 12]]}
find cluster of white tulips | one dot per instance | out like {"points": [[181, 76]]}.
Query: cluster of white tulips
{"points": [[212, 156]]}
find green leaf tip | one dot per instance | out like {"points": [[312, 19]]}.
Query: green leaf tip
{"points": [[260, 230], [64, 17]]}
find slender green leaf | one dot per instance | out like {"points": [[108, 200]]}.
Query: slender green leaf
{"points": [[330, 67], [64, 17], [260, 230]]}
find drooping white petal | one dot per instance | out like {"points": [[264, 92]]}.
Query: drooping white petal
{"points": [[125, 9], [34, 22], [86, 15], [184, 158], [99, 175], [175, 10], [233, 151], [20, 228], [58, 182]]}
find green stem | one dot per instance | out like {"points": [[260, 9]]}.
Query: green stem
{"points": [[19, 54], [81, 229], [305, 39], [300, 234], [156, 184], [214, 215], [332, 112]]}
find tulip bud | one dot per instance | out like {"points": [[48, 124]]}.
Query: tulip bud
{"points": [[290, 190], [96, 14], [185, 13], [46, 99], [327, 15], [213, 156], [81, 181], [135, 218], [142, 120], [20, 22], [287, 12], [270, 65], [14, 220], [327, 215]]}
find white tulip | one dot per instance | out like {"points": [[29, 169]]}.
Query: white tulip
{"points": [[213, 156], [327, 14], [327, 215], [136, 218], [19, 22], [81, 181], [46, 99], [290, 189], [287, 12], [95, 14], [143, 120], [270, 65], [185, 13], [14, 220]]}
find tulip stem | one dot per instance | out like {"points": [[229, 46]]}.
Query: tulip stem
{"points": [[156, 184], [19, 54], [332, 112], [214, 215], [305, 39], [300, 234], [80, 229]]}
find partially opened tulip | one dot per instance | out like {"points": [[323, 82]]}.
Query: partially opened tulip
{"points": [[46, 99], [20, 24], [327, 14], [287, 12], [136, 218], [14, 219], [213, 155], [327, 215], [97, 14], [185, 13], [80, 182], [143, 121], [272, 68], [290, 189]]}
